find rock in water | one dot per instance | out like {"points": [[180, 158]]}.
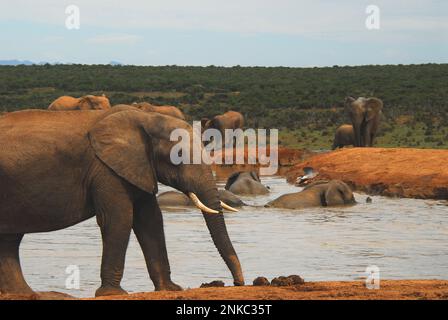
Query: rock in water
{"points": [[261, 281], [216, 283]]}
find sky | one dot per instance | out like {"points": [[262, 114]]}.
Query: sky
{"points": [[291, 33]]}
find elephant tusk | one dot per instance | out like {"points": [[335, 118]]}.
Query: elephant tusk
{"points": [[199, 204], [227, 207]]}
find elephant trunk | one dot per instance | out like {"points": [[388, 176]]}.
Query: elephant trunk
{"points": [[218, 230]]}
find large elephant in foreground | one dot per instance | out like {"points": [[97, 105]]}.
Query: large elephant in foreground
{"points": [[344, 136], [365, 114], [317, 194], [60, 168], [167, 110], [246, 183], [89, 102]]}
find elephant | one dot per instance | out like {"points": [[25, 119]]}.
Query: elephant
{"points": [[317, 194], [365, 114], [229, 120], [89, 102], [344, 136], [60, 168], [246, 183], [175, 199], [167, 110]]}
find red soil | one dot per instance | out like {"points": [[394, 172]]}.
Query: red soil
{"points": [[409, 173]]}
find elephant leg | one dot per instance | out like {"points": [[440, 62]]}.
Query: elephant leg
{"points": [[148, 227], [11, 277], [114, 212], [368, 136]]}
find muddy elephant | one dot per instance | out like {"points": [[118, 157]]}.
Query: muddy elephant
{"points": [[60, 168], [317, 194], [229, 120], [246, 183], [344, 136], [167, 110], [178, 199], [365, 114], [89, 102]]}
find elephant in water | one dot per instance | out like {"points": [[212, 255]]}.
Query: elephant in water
{"points": [[246, 183], [365, 114], [167, 110], [317, 194], [344, 136], [58, 169], [89, 102], [176, 199]]}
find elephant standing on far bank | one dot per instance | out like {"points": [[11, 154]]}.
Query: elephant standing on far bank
{"points": [[344, 136], [229, 120], [365, 114], [89, 102]]}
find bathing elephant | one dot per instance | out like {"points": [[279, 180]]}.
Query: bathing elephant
{"points": [[229, 120], [176, 199], [89, 102], [317, 194], [344, 136], [246, 183], [167, 110], [365, 114], [60, 168]]}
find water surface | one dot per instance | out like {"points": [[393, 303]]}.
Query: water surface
{"points": [[405, 238]]}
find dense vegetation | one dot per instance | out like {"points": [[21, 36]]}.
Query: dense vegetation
{"points": [[306, 104]]}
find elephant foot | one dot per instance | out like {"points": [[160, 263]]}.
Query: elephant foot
{"points": [[169, 286], [11, 276], [110, 291], [238, 283]]}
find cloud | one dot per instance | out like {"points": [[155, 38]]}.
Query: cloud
{"points": [[313, 18], [113, 39]]}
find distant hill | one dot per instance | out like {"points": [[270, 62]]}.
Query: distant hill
{"points": [[15, 62]]}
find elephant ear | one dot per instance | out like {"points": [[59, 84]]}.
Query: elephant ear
{"points": [[373, 107], [349, 100], [123, 141], [231, 180]]}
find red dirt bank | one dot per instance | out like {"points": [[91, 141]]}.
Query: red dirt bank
{"points": [[326, 290], [331, 290], [409, 173]]}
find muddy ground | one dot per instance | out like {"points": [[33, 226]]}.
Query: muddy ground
{"points": [[328, 290]]}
